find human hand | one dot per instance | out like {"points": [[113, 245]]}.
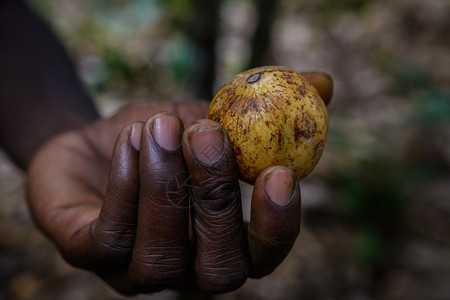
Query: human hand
{"points": [[161, 210]]}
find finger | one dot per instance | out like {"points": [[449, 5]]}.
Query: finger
{"points": [[221, 262], [107, 237], [114, 231], [274, 220], [160, 256], [190, 111], [323, 83]]}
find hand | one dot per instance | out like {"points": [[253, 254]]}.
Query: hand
{"points": [[149, 206]]}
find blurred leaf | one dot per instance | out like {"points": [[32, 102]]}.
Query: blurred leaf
{"points": [[180, 11], [368, 247], [41, 7], [374, 194], [433, 108], [180, 58], [327, 11]]}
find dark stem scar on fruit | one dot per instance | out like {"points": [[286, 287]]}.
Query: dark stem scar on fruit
{"points": [[254, 77]]}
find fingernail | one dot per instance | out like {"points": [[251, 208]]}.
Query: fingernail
{"points": [[207, 144], [135, 135], [167, 132], [280, 187]]}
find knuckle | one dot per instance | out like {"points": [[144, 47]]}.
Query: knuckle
{"points": [[217, 193], [114, 248], [222, 279], [158, 274], [222, 266], [158, 271], [114, 244]]}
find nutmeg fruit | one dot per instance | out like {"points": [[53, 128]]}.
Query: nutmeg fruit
{"points": [[273, 116]]}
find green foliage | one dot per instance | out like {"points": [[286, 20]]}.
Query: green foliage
{"points": [[180, 58], [180, 11], [368, 248], [41, 7], [327, 11], [433, 109], [373, 197], [373, 193]]}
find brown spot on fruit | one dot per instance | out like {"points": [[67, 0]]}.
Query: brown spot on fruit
{"points": [[301, 90], [297, 133], [237, 150], [280, 140]]}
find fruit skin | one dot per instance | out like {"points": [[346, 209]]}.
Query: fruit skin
{"points": [[273, 116]]}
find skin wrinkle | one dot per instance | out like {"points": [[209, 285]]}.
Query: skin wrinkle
{"points": [[213, 214], [72, 248], [209, 245], [160, 179], [224, 229], [115, 247], [214, 258], [159, 267], [116, 190], [169, 268], [158, 255], [230, 271], [151, 264], [221, 188], [114, 230], [225, 188], [216, 207], [224, 257], [225, 279], [160, 196], [172, 261], [162, 203], [158, 208], [162, 244], [205, 222], [156, 248], [216, 255], [216, 201]]}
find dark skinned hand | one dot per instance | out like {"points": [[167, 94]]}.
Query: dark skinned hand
{"points": [[147, 204]]}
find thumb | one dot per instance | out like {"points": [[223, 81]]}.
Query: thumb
{"points": [[323, 83]]}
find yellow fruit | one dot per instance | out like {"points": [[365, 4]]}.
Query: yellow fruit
{"points": [[273, 116]]}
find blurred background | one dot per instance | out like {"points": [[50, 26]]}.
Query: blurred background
{"points": [[376, 210]]}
